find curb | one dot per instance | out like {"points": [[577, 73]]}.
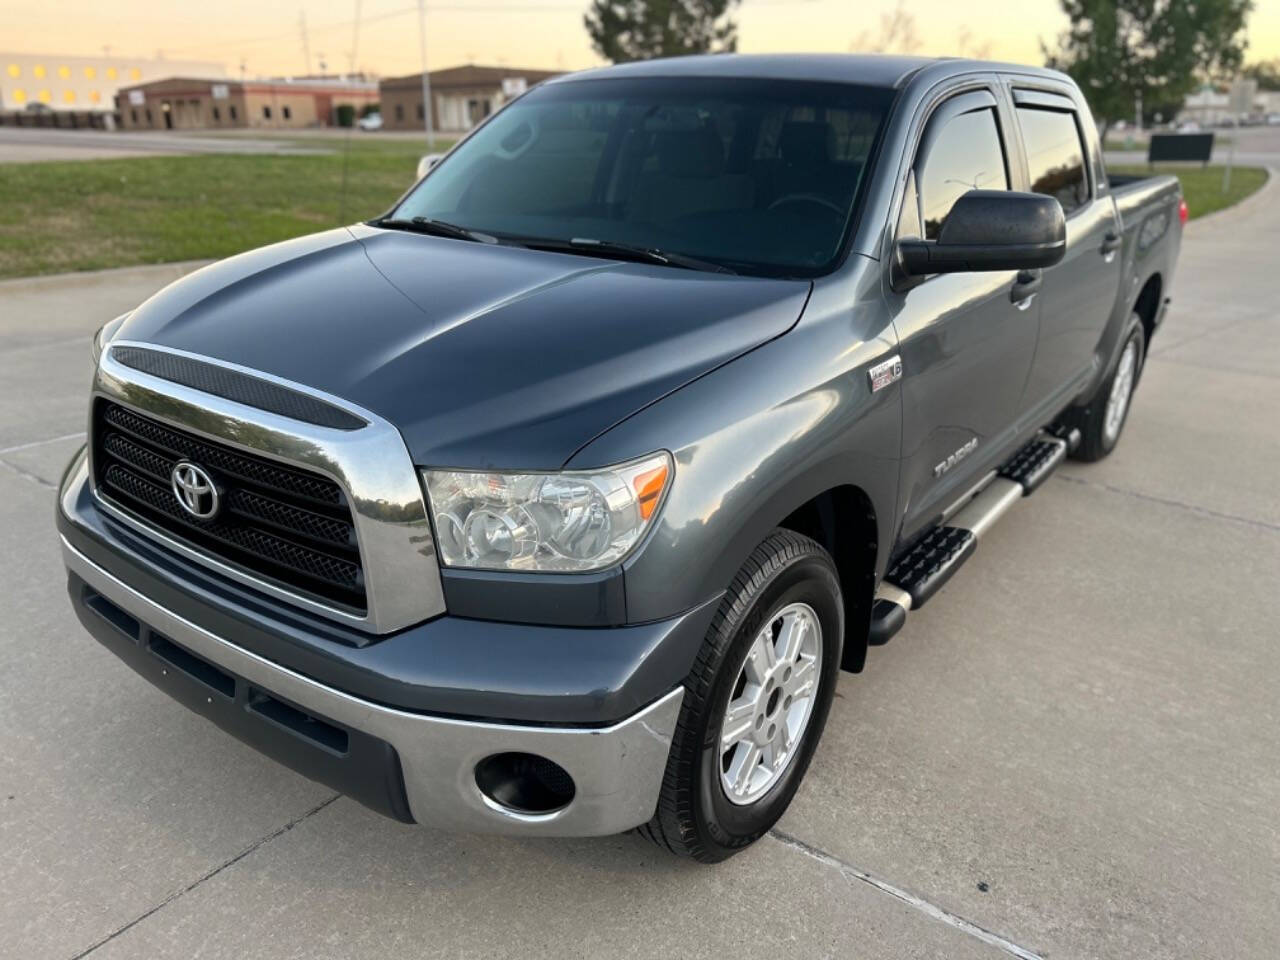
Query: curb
{"points": [[87, 277], [1245, 206]]}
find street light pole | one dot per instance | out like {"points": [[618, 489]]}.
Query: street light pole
{"points": [[426, 81]]}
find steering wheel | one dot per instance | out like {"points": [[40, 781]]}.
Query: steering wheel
{"points": [[807, 198]]}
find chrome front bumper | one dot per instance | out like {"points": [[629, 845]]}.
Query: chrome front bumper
{"points": [[617, 770]]}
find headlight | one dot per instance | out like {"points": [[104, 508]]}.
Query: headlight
{"points": [[102, 336], [568, 522]]}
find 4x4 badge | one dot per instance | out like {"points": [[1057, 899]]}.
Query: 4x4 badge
{"points": [[883, 374]]}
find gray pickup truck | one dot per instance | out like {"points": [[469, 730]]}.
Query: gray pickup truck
{"points": [[553, 500]]}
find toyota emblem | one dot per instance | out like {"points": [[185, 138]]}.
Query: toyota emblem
{"points": [[195, 490]]}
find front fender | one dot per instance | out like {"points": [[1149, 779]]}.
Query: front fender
{"points": [[756, 439]]}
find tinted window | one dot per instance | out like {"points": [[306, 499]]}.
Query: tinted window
{"points": [[761, 176], [1055, 156], [966, 155]]}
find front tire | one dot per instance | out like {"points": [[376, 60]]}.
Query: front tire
{"points": [[1103, 419], [755, 702]]}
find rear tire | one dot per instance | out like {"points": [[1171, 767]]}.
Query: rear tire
{"points": [[1102, 420], [778, 631]]}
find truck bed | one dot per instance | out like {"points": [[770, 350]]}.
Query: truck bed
{"points": [[1134, 192]]}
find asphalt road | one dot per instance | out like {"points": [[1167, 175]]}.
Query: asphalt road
{"points": [[37, 144], [1072, 752]]}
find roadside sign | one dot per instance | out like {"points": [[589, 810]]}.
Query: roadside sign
{"points": [[514, 86], [1180, 146], [219, 91]]}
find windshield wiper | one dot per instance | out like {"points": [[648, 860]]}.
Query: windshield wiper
{"points": [[435, 228], [625, 251]]}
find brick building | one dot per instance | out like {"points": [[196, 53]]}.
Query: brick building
{"points": [[461, 96], [183, 103]]}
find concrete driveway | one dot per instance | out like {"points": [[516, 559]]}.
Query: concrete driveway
{"points": [[1072, 752]]}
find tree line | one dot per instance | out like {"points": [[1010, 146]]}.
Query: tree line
{"points": [[1120, 52]]}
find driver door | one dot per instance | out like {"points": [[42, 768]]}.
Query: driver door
{"points": [[967, 340]]}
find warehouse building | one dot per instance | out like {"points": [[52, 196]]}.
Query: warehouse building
{"points": [[184, 103], [460, 96], [54, 82]]}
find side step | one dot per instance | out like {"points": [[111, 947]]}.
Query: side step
{"points": [[921, 572], [1032, 465]]}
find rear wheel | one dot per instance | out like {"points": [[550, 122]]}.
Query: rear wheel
{"points": [[755, 702], [1103, 419]]}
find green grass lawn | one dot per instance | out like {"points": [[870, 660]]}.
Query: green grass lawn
{"points": [[93, 214], [1202, 186]]}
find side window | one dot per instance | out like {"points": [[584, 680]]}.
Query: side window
{"points": [[966, 155], [1055, 156]]}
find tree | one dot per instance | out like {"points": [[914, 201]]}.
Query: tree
{"points": [[1266, 73], [625, 30], [897, 34], [1161, 50]]}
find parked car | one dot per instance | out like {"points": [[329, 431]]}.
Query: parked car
{"points": [[370, 122], [427, 162], [553, 500]]}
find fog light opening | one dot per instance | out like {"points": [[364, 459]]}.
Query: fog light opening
{"points": [[525, 783]]}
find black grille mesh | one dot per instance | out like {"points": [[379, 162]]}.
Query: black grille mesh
{"points": [[234, 385], [288, 525], [222, 459]]}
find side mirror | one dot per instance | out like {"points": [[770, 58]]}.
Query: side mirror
{"points": [[427, 162], [991, 230]]}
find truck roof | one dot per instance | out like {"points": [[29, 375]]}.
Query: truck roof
{"points": [[876, 70]]}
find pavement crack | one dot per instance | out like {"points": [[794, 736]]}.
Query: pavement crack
{"points": [[850, 872], [28, 475], [78, 435], [261, 841], [1179, 504]]}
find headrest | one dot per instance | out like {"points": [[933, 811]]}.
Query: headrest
{"points": [[690, 153], [806, 143]]}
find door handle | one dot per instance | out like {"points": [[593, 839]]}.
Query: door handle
{"points": [[1025, 287], [1111, 243]]}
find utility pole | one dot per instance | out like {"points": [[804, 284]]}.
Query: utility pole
{"points": [[426, 80], [306, 41]]}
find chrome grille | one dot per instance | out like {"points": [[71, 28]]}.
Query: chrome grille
{"points": [[289, 525]]}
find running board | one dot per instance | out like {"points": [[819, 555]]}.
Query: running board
{"points": [[1032, 465], [921, 572]]}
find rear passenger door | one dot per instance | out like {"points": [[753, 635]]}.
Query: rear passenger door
{"points": [[1078, 294], [966, 339]]}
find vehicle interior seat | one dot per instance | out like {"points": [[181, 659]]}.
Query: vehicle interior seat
{"points": [[688, 177], [807, 151]]}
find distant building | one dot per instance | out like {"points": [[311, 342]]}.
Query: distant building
{"points": [[1241, 102], [83, 83], [185, 103], [461, 96]]}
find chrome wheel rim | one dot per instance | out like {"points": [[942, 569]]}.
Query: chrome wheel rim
{"points": [[1121, 389], [769, 707]]}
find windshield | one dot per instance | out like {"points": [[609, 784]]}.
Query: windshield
{"points": [[762, 177]]}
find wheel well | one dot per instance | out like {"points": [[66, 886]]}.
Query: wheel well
{"points": [[843, 521], [1147, 306]]}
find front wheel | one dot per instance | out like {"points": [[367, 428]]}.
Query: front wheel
{"points": [[1102, 420], [755, 702]]}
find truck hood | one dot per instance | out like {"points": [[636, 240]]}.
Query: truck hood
{"points": [[482, 355]]}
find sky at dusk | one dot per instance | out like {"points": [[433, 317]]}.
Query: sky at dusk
{"points": [[525, 33]]}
